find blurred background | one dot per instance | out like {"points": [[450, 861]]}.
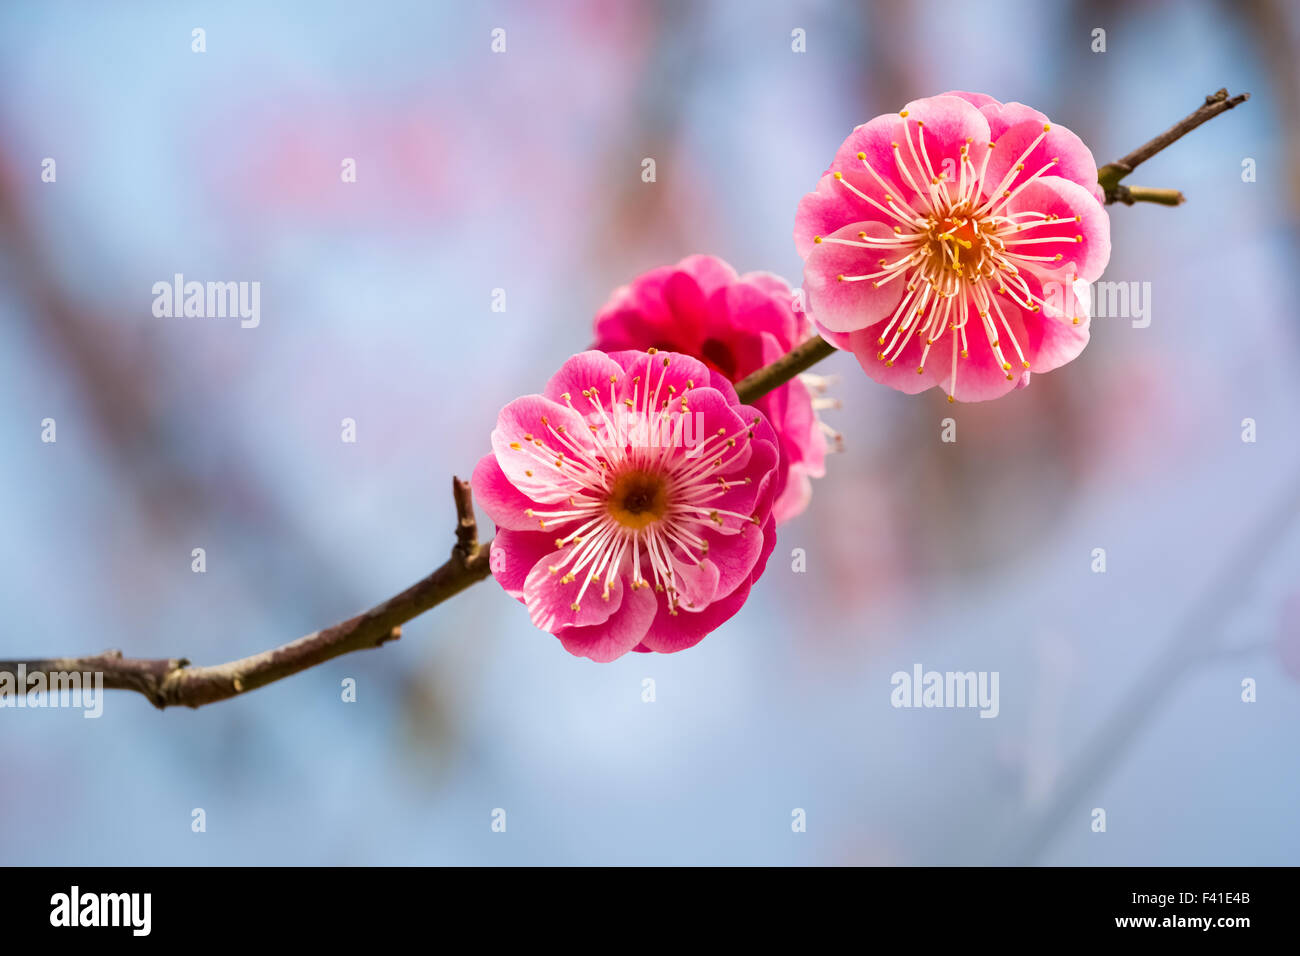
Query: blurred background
{"points": [[522, 171]]}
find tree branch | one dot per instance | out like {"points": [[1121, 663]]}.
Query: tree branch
{"points": [[1110, 175], [1128, 195], [799, 359], [172, 682]]}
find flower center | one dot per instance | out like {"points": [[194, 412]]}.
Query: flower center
{"points": [[959, 243], [956, 247], [637, 499]]}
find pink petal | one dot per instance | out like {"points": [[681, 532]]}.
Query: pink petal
{"points": [[832, 204], [682, 372], [1084, 245], [902, 374], [1074, 161], [521, 418], [978, 100], [709, 272], [514, 554], [762, 312], [696, 582], [846, 306], [583, 371], [794, 499], [505, 504], [550, 599], [938, 126], [734, 555], [669, 633], [621, 633]]}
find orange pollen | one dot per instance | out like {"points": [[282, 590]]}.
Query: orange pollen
{"points": [[959, 243]]}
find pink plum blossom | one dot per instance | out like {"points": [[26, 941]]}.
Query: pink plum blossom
{"points": [[943, 244], [735, 325], [633, 502]]}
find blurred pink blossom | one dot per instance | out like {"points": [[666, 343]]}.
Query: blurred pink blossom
{"points": [[735, 325]]}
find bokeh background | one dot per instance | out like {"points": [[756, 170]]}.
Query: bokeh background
{"points": [[521, 171]]}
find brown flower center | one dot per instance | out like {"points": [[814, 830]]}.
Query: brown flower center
{"points": [[638, 498]]}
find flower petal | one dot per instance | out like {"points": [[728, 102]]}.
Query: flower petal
{"points": [[621, 633]]}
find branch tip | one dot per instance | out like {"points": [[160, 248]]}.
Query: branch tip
{"points": [[466, 526], [1110, 175]]}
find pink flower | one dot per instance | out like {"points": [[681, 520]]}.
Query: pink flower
{"points": [[633, 502], [735, 325], [942, 245]]}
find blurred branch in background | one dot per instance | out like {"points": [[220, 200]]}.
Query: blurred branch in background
{"points": [[145, 447], [1192, 644], [1273, 25]]}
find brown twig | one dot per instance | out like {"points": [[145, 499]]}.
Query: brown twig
{"points": [[1128, 195], [172, 682], [799, 359], [1110, 175]]}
